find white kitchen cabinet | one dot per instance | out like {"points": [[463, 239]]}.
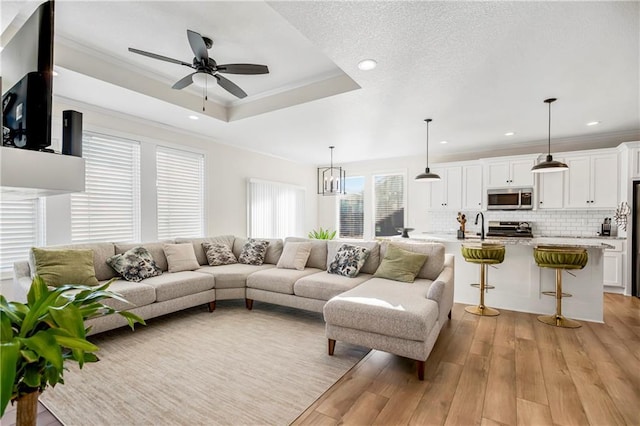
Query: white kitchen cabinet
{"points": [[592, 182], [510, 173], [613, 263], [551, 189], [472, 190], [446, 194]]}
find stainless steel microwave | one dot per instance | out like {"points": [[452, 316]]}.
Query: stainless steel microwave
{"points": [[510, 199]]}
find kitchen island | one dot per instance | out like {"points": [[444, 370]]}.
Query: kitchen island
{"points": [[519, 282]]}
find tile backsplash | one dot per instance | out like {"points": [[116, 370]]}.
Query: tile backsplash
{"points": [[570, 223]]}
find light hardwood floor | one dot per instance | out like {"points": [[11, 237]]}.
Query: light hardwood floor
{"points": [[509, 369]]}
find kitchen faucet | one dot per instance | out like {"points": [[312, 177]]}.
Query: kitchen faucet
{"points": [[481, 225]]}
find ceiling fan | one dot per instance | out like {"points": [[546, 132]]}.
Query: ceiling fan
{"points": [[203, 64]]}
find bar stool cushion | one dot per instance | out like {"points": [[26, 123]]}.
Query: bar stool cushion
{"points": [[560, 257], [487, 255]]}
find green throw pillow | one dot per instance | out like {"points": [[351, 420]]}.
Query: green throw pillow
{"points": [[60, 267], [400, 265]]}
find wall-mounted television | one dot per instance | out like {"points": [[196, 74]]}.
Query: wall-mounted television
{"points": [[27, 82]]}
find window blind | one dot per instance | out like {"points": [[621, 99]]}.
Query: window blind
{"points": [[275, 210], [20, 229], [389, 204], [180, 186], [109, 209], [351, 209]]}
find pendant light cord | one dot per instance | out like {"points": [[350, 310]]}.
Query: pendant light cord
{"points": [[549, 133], [428, 120]]}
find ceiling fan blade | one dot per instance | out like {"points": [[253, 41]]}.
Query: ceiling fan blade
{"points": [[197, 45], [243, 69], [155, 56], [183, 82], [230, 86]]}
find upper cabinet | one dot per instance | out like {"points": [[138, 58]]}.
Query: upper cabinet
{"points": [[446, 194], [592, 181], [514, 172], [551, 189], [472, 190]]}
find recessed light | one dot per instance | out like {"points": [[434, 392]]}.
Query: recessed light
{"points": [[593, 123], [443, 142], [510, 133], [193, 117], [367, 64]]}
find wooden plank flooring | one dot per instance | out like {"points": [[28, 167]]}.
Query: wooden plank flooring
{"points": [[503, 370]]}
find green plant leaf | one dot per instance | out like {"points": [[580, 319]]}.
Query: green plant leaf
{"points": [[6, 331], [29, 356], [32, 376], [132, 318], [44, 344], [9, 353], [89, 357], [37, 290], [9, 310], [70, 319], [75, 343]]}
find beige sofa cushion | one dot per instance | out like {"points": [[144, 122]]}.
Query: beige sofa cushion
{"points": [[318, 256], [155, 248], [373, 260], [234, 275], [181, 257], [324, 286], [278, 280], [197, 245], [178, 284], [294, 256], [393, 309], [274, 249], [101, 252], [435, 256], [136, 293]]}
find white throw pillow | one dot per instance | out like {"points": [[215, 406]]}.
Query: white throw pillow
{"points": [[294, 256], [181, 257]]}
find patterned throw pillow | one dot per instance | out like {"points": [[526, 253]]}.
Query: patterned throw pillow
{"points": [[135, 264], [349, 260], [218, 254], [253, 252]]}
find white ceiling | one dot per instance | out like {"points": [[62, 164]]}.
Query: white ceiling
{"points": [[479, 69]]}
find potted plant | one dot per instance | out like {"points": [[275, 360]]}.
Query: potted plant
{"points": [[322, 234], [36, 339]]}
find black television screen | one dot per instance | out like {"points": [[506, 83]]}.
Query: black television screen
{"points": [[27, 81]]}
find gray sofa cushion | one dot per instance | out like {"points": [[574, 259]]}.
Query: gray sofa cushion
{"points": [[324, 285], [137, 293], [278, 280], [318, 257], [155, 248], [197, 245], [234, 275], [435, 256], [173, 285], [101, 252], [274, 249], [385, 307], [373, 261]]}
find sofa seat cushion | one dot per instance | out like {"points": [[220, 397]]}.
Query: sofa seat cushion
{"points": [[385, 307], [234, 275], [136, 293], [324, 286], [177, 284], [278, 280]]}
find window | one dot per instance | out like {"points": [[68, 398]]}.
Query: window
{"points": [[109, 209], [20, 229], [275, 210], [389, 194], [180, 186], [351, 209]]}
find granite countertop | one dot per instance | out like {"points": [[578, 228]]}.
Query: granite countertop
{"points": [[582, 242]]}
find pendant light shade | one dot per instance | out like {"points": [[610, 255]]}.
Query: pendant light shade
{"points": [[427, 176], [549, 165], [331, 180]]}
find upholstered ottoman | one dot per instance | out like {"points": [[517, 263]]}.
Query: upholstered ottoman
{"points": [[394, 317]]}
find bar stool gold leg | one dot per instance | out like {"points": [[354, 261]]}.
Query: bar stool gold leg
{"points": [[481, 309], [558, 320]]}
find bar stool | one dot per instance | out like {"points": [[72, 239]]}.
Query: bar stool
{"points": [[483, 254], [559, 258]]}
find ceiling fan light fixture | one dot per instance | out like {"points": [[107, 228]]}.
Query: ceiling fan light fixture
{"points": [[549, 164], [202, 79], [427, 176]]}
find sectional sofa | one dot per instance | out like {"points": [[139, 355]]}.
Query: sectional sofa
{"points": [[309, 287]]}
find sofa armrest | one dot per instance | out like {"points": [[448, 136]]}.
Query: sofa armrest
{"points": [[21, 280], [447, 277]]}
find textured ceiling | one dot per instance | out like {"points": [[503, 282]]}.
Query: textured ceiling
{"points": [[479, 69]]}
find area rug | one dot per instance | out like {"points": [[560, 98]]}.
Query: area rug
{"points": [[229, 367]]}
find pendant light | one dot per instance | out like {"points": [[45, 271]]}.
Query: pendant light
{"points": [[331, 180], [549, 165], [427, 176]]}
